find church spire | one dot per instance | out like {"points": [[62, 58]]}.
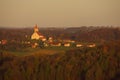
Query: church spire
{"points": [[36, 28]]}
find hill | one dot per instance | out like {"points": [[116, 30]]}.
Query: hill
{"points": [[81, 34]]}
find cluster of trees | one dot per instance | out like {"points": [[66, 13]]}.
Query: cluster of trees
{"points": [[98, 63], [15, 34], [85, 34], [14, 46]]}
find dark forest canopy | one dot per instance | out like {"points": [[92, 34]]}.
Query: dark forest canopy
{"points": [[98, 63]]}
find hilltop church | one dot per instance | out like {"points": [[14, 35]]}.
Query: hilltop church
{"points": [[37, 35]]}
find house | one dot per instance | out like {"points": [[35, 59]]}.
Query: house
{"points": [[37, 35], [79, 45], [34, 45], [91, 45], [67, 44], [3, 42], [50, 39], [55, 44]]}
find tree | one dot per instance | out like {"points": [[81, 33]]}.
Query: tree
{"points": [[41, 44]]}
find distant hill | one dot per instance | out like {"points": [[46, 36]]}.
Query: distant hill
{"points": [[91, 34], [15, 34], [82, 34], [98, 35]]}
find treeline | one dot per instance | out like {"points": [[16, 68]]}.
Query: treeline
{"points": [[99, 63], [82, 34], [14, 46], [11, 34], [92, 35]]}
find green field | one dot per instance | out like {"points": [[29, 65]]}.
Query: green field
{"points": [[40, 51]]}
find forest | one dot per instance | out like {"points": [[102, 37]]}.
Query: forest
{"points": [[98, 63]]}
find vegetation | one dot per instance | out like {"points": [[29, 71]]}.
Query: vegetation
{"points": [[98, 63], [82, 34], [18, 61]]}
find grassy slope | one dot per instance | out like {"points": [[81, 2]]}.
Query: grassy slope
{"points": [[40, 51]]}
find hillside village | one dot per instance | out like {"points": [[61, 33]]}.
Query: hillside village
{"points": [[33, 54], [38, 39], [53, 42]]}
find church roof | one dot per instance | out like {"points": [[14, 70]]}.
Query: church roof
{"points": [[39, 33]]}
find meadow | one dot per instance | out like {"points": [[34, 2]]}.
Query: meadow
{"points": [[41, 51]]}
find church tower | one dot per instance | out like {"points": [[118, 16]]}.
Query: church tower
{"points": [[36, 28], [37, 35]]}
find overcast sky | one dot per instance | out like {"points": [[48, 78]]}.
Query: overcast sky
{"points": [[59, 13]]}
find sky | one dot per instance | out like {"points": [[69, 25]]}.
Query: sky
{"points": [[59, 13]]}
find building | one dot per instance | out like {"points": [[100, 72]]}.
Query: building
{"points": [[67, 44], [3, 42], [79, 45], [91, 45], [58, 44], [50, 39], [37, 35]]}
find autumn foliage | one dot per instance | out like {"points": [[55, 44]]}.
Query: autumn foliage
{"points": [[98, 63]]}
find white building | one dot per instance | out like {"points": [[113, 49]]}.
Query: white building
{"points": [[91, 45], [79, 45], [37, 35], [67, 44]]}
